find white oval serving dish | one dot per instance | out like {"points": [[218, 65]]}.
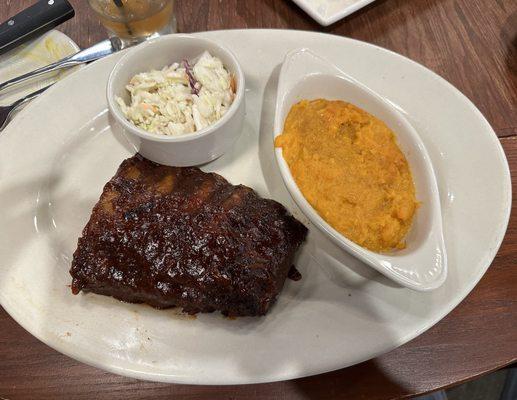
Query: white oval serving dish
{"points": [[422, 265]]}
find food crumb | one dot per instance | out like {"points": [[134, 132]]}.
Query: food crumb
{"points": [[294, 274]]}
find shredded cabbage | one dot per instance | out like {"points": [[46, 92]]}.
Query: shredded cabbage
{"points": [[179, 99]]}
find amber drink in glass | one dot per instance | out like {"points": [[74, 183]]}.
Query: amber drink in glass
{"points": [[134, 21]]}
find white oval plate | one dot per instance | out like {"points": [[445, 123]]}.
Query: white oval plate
{"points": [[422, 265], [58, 153]]}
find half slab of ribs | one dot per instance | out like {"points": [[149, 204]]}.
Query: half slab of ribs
{"points": [[179, 237]]}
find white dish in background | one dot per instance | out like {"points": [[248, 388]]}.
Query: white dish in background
{"points": [[192, 148], [50, 47], [422, 265], [326, 12], [52, 173]]}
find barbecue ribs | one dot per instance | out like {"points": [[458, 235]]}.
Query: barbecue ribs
{"points": [[170, 236]]}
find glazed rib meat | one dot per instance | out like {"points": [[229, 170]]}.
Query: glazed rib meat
{"points": [[179, 237]]}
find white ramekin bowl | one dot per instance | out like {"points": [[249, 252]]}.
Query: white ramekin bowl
{"points": [[190, 149]]}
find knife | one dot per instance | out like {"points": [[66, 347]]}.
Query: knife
{"points": [[33, 21], [99, 50]]}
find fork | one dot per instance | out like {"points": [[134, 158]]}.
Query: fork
{"points": [[6, 112]]}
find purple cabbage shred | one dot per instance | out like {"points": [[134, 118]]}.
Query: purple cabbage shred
{"points": [[194, 84]]}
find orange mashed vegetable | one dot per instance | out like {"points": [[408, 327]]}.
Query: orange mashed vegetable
{"points": [[348, 166]]}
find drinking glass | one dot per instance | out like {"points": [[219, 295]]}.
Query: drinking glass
{"points": [[134, 21]]}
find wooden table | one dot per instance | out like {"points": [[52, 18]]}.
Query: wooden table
{"points": [[472, 44]]}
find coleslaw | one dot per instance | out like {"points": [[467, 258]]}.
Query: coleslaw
{"points": [[180, 98]]}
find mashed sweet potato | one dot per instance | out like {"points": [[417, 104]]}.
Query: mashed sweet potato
{"points": [[348, 166]]}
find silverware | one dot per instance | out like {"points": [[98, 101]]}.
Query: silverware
{"points": [[99, 50], [6, 112], [33, 21]]}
